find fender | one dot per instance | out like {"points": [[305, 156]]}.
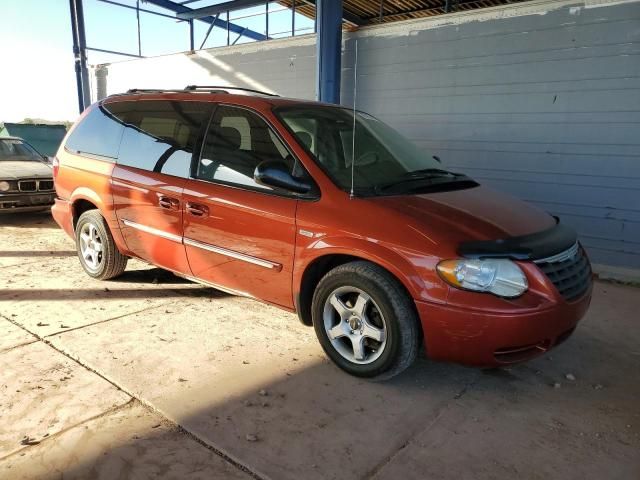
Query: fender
{"points": [[398, 265]]}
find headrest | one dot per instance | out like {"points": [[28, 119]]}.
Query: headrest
{"points": [[228, 138], [305, 138]]}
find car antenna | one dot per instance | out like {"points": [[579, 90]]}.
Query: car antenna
{"points": [[353, 136]]}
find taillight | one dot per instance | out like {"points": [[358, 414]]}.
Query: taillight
{"points": [[56, 166]]}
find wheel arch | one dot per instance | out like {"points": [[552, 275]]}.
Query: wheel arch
{"points": [[79, 206], [83, 199], [320, 261]]}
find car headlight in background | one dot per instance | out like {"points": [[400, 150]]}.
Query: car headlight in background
{"points": [[501, 277], [4, 186]]}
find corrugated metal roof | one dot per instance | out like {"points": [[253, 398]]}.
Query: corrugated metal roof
{"points": [[372, 12], [44, 138]]}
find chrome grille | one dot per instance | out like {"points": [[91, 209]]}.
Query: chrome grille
{"points": [[569, 271], [35, 185], [45, 185], [27, 186]]}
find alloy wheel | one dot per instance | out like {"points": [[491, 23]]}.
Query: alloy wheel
{"points": [[91, 246], [355, 325]]}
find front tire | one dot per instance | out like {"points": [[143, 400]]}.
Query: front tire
{"points": [[365, 321], [98, 253]]}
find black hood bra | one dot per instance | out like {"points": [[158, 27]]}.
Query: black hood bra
{"points": [[533, 246]]}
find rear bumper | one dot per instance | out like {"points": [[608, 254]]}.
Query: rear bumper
{"points": [[62, 213], [487, 339], [25, 202]]}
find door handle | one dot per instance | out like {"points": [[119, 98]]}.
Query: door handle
{"points": [[169, 203], [197, 210]]}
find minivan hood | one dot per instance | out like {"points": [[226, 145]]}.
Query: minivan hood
{"points": [[477, 213], [15, 170]]}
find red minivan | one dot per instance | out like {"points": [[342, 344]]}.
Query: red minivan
{"points": [[322, 211]]}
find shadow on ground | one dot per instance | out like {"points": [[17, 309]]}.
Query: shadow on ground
{"points": [[37, 253], [152, 276], [57, 295], [28, 220], [433, 421]]}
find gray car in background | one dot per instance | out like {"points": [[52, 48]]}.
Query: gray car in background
{"points": [[26, 180]]}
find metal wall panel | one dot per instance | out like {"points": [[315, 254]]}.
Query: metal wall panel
{"points": [[539, 99]]}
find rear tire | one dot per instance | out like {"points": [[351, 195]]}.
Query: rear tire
{"points": [[365, 321], [98, 253]]}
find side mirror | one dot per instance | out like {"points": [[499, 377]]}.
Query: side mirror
{"points": [[273, 173]]}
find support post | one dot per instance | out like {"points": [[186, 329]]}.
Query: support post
{"points": [[213, 24], [293, 18], [328, 50], [192, 37], [101, 81], [80, 54], [138, 21]]}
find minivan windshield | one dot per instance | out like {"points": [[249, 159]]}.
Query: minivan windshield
{"points": [[12, 149], [385, 161]]}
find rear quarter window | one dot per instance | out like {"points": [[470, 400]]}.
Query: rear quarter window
{"points": [[100, 131], [161, 136]]}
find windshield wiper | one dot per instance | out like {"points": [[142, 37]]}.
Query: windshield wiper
{"points": [[428, 179], [430, 173]]}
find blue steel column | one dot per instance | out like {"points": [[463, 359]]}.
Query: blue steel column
{"points": [[328, 50], [80, 53]]}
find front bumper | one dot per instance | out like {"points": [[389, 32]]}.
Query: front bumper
{"points": [[25, 202], [488, 339]]}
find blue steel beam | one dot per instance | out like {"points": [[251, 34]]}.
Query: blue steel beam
{"points": [[213, 24], [118, 4], [328, 50], [219, 8], [218, 22], [346, 16]]}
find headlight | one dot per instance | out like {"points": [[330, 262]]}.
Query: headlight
{"points": [[4, 186], [501, 277]]}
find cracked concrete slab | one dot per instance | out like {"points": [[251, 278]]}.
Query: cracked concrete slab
{"points": [[13, 336], [249, 380], [43, 286], [44, 238], [130, 442], [53, 296], [573, 414], [310, 420], [44, 392]]}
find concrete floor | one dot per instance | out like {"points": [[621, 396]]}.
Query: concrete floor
{"points": [[154, 377]]}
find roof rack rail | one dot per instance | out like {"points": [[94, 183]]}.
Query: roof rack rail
{"points": [[197, 88], [216, 88], [154, 90]]}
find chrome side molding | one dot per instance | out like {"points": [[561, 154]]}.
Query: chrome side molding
{"points": [[204, 246], [153, 231], [216, 286], [233, 254]]}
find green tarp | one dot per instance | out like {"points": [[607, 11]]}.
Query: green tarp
{"points": [[44, 138]]}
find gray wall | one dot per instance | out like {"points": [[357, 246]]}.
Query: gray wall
{"points": [[540, 99]]}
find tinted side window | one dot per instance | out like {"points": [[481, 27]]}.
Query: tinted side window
{"points": [[161, 136], [99, 133], [237, 141]]}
